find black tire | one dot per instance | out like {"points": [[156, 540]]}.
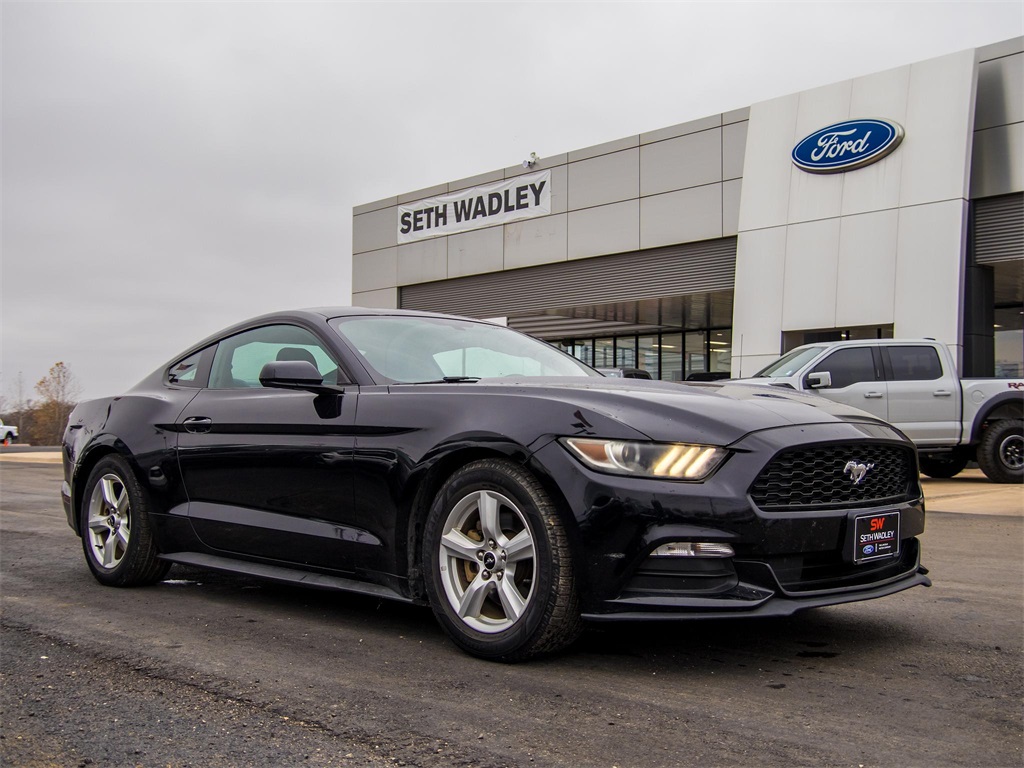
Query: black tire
{"points": [[489, 573], [941, 465], [115, 502], [1001, 451], [10, 439]]}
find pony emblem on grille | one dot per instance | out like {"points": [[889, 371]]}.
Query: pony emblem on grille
{"points": [[856, 471]]}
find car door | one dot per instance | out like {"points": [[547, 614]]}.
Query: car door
{"points": [[924, 400], [856, 379], [268, 472]]}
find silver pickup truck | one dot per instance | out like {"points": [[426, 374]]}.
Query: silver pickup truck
{"points": [[913, 384]]}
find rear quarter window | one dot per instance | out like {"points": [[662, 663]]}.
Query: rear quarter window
{"points": [[187, 372]]}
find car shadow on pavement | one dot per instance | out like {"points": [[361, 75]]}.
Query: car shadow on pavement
{"points": [[848, 634]]}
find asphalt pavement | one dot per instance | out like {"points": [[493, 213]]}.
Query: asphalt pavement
{"points": [[215, 670]]}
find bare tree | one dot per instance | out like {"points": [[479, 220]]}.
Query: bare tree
{"points": [[58, 393]]}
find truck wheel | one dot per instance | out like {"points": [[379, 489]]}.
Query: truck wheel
{"points": [[1001, 451], [10, 439], [940, 465]]}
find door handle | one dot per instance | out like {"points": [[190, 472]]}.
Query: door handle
{"points": [[873, 395], [942, 393], [197, 424]]}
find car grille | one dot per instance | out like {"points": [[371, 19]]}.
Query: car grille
{"points": [[816, 477]]}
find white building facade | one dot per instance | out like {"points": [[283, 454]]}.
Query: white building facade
{"points": [[704, 248]]}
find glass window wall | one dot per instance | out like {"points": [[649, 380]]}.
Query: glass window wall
{"points": [[1008, 335], [720, 351], [671, 347], [647, 355], [666, 356], [625, 352], [696, 348], [604, 353]]}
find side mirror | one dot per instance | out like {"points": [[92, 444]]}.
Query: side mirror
{"points": [[819, 380], [295, 374]]}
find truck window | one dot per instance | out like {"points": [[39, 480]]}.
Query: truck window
{"points": [[914, 363], [789, 363], [848, 366]]}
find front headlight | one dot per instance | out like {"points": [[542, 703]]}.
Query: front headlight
{"points": [[672, 461]]}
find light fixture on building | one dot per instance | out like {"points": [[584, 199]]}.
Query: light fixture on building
{"points": [[531, 161]]}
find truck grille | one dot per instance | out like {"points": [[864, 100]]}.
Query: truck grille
{"points": [[816, 477]]}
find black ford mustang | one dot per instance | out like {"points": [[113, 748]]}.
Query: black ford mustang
{"points": [[440, 460]]}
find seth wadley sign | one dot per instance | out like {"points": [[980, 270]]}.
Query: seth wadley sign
{"points": [[486, 206]]}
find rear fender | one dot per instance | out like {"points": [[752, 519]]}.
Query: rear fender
{"points": [[1006, 405]]}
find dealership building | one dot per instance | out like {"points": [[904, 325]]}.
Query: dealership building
{"points": [[890, 205]]}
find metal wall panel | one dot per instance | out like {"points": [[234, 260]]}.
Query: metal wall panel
{"points": [[676, 270], [997, 164], [1000, 92], [999, 228]]}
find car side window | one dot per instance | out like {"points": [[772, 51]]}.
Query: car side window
{"points": [[192, 371], [184, 371], [848, 366], [240, 358], [914, 363]]}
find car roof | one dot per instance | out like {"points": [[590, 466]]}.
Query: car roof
{"points": [[330, 312], [313, 315]]}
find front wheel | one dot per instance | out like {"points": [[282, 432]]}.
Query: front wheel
{"points": [[498, 566], [1001, 451], [116, 534]]}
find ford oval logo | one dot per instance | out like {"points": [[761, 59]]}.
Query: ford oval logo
{"points": [[848, 145]]}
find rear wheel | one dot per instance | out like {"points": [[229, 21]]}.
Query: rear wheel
{"points": [[498, 565], [1001, 451], [941, 465], [116, 534]]}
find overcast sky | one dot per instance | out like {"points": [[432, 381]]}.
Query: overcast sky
{"points": [[169, 169]]}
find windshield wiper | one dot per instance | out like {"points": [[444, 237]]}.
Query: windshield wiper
{"points": [[446, 380]]}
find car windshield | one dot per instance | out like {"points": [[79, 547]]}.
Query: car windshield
{"points": [[789, 363], [410, 349]]}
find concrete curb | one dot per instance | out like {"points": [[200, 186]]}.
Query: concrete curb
{"points": [[33, 457]]}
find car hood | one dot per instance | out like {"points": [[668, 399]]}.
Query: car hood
{"points": [[717, 413]]}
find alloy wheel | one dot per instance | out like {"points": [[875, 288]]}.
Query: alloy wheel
{"points": [[109, 522], [487, 561]]}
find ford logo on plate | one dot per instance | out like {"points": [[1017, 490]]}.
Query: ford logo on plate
{"points": [[848, 145]]}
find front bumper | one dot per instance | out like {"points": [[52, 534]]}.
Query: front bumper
{"points": [[785, 561], [756, 593]]}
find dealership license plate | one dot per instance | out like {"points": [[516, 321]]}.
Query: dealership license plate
{"points": [[876, 536]]}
